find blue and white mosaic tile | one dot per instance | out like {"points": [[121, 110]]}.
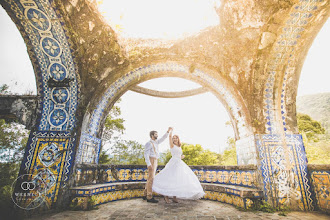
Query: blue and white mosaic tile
{"points": [[284, 171], [283, 55], [50, 148]]}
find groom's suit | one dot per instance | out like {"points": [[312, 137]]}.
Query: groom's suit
{"points": [[151, 155]]}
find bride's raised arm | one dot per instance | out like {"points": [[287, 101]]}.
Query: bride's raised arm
{"points": [[170, 139]]}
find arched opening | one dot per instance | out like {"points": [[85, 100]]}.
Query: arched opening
{"points": [[312, 99], [200, 120], [221, 88], [17, 71], [134, 176]]}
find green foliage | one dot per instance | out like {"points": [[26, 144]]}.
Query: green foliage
{"points": [[195, 155], [317, 152], [13, 138], [113, 126], [122, 151], [283, 210], [126, 152], [318, 107], [74, 205], [104, 158], [229, 156], [317, 144], [264, 206], [8, 174], [309, 126], [4, 89], [91, 203]]}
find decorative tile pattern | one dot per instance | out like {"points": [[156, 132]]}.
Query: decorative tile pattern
{"points": [[245, 178], [89, 149], [230, 199], [232, 177], [117, 195], [49, 151], [49, 159], [283, 58], [53, 56], [133, 179], [284, 180], [113, 195], [321, 186]]}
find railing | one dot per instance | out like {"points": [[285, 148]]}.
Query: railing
{"points": [[233, 175]]}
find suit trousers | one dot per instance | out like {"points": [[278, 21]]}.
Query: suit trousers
{"points": [[151, 175]]}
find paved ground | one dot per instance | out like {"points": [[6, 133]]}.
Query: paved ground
{"points": [[185, 210]]}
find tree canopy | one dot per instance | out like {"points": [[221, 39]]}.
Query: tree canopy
{"points": [[309, 126]]}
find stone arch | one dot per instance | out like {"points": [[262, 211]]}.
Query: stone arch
{"points": [[51, 143], [219, 86], [285, 63], [282, 141]]}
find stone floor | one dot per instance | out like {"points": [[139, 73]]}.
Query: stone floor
{"points": [[188, 210]]}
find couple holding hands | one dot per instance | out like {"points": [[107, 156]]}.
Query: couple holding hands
{"points": [[176, 180]]}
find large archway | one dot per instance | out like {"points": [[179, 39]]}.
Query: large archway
{"points": [[220, 87], [254, 79]]}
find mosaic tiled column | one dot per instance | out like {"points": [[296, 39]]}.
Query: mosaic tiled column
{"points": [[49, 153], [285, 182], [281, 151]]}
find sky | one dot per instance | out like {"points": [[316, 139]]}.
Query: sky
{"points": [[169, 19], [197, 120]]}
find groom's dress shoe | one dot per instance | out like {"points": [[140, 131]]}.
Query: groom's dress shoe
{"points": [[153, 200], [144, 197]]}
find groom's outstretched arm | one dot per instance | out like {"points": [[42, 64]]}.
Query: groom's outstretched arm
{"points": [[164, 136], [147, 149], [160, 140]]}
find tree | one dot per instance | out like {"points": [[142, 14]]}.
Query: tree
{"points": [[120, 151], [229, 156], [195, 155], [309, 126], [4, 89], [127, 152], [13, 138], [104, 158], [317, 145], [113, 126]]}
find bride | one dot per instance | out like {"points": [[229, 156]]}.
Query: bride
{"points": [[177, 179]]}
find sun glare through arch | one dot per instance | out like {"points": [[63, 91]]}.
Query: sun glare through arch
{"points": [[159, 19], [199, 119]]}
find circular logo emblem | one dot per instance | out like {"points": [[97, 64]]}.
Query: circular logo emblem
{"points": [[28, 191]]}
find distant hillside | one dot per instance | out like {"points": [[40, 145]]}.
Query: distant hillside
{"points": [[317, 106]]}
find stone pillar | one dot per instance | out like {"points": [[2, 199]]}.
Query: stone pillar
{"points": [[246, 151], [283, 165], [45, 171]]}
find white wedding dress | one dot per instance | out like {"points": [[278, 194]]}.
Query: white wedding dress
{"points": [[177, 179]]}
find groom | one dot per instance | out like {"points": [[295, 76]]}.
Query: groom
{"points": [[151, 154]]}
